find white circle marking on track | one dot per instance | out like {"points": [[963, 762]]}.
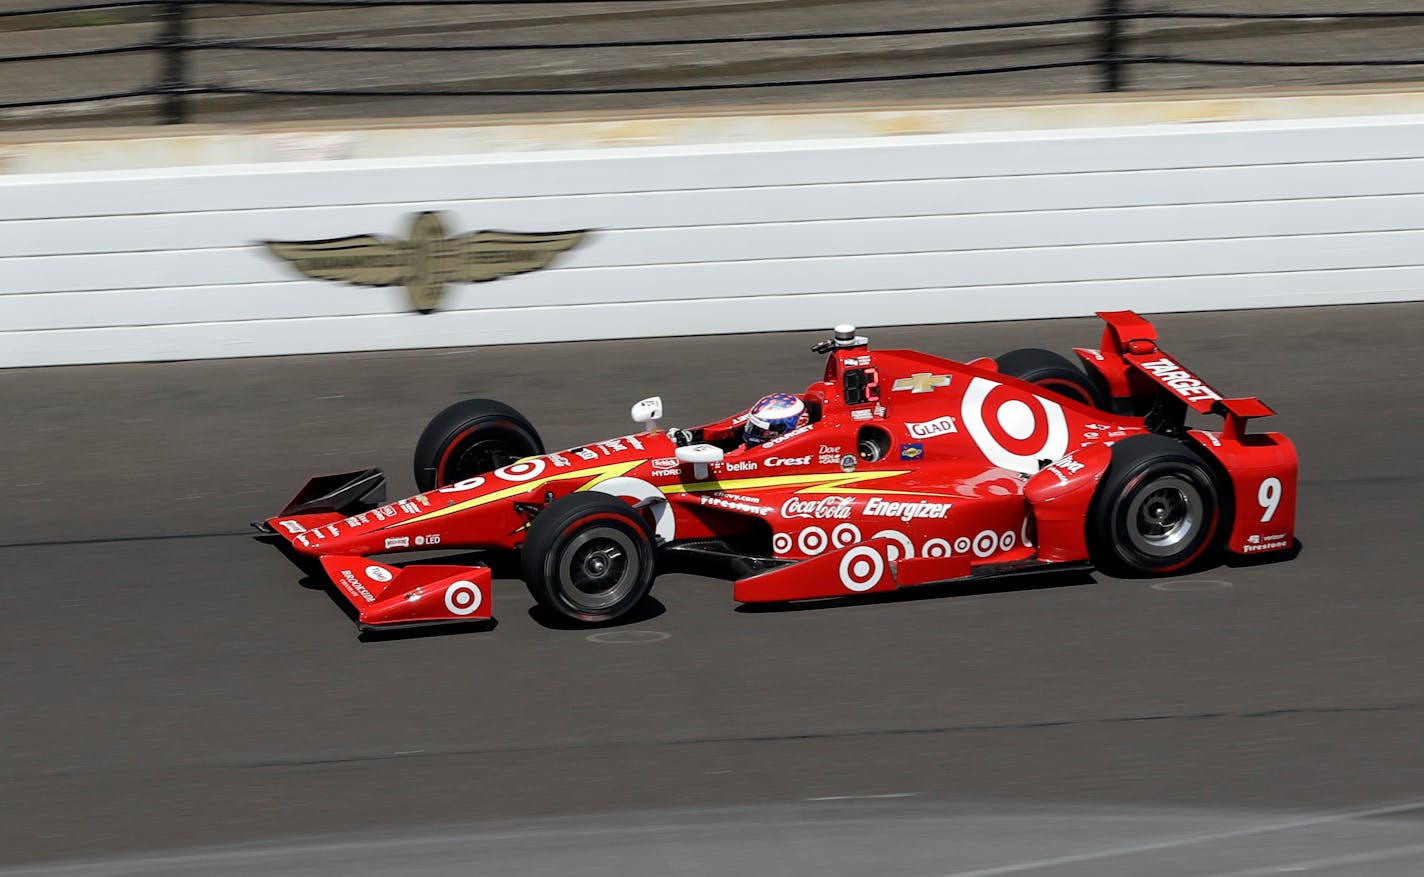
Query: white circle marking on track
{"points": [[1185, 585], [628, 637]]}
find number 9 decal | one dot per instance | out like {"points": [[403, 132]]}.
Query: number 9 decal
{"points": [[1269, 496]]}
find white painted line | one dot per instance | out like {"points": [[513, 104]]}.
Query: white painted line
{"points": [[1191, 839], [864, 797], [1313, 864]]}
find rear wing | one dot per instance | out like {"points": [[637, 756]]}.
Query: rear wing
{"points": [[1130, 340]]}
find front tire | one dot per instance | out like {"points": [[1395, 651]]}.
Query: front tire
{"points": [[1157, 510], [471, 438], [589, 558], [1049, 371]]}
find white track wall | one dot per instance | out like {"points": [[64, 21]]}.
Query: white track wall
{"points": [[163, 264]]}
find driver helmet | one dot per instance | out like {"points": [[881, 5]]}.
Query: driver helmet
{"points": [[772, 416]]}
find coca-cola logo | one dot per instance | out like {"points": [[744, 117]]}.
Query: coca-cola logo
{"points": [[832, 507]]}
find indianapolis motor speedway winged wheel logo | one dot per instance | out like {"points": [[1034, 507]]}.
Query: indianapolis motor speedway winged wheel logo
{"points": [[426, 262]]}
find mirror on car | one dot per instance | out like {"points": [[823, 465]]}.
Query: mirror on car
{"points": [[648, 411], [700, 456]]}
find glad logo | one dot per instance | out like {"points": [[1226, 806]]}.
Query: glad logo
{"points": [[832, 507], [931, 428], [788, 461]]}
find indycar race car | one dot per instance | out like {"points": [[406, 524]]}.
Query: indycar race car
{"points": [[903, 469]]}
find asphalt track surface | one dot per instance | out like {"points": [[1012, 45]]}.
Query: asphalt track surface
{"points": [[174, 701]]}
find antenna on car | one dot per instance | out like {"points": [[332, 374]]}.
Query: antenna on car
{"points": [[845, 337]]}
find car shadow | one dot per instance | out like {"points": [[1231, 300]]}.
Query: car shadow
{"points": [[1023, 582], [648, 609], [427, 631]]}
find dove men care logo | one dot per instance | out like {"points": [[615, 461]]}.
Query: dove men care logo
{"points": [[428, 260]]}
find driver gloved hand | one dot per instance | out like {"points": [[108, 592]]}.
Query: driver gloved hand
{"points": [[681, 437]]}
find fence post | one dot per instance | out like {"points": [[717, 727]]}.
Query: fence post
{"points": [[1110, 51], [174, 45]]}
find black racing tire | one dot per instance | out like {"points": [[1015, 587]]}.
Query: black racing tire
{"points": [[589, 558], [1056, 374], [471, 438], [1157, 510]]}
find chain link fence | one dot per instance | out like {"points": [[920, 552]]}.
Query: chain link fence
{"points": [[175, 61]]}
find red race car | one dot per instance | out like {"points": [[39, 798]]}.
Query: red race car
{"points": [[895, 469]]}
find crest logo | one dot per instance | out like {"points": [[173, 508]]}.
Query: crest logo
{"points": [[428, 260]]}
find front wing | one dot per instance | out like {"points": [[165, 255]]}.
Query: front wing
{"points": [[388, 596]]}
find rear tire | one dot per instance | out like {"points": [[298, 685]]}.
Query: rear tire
{"points": [[1049, 371], [589, 558], [471, 438], [1157, 510]]}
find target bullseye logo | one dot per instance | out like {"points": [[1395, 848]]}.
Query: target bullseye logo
{"points": [[937, 548], [463, 598], [862, 568], [781, 543], [813, 540], [986, 543], [1012, 430], [901, 547], [524, 471], [845, 534]]}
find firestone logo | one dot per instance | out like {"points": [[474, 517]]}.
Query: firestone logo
{"points": [[828, 507]]}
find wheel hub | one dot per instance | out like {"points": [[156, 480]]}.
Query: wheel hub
{"points": [[600, 567], [598, 562], [1165, 514]]}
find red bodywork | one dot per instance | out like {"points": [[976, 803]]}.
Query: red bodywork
{"points": [[914, 470]]}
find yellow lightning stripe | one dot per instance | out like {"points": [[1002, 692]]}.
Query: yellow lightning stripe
{"points": [[608, 472], [825, 482], [595, 475]]}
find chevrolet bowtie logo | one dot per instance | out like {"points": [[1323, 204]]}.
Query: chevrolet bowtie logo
{"points": [[921, 383], [428, 260]]}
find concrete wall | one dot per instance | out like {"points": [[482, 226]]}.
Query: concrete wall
{"points": [[726, 236]]}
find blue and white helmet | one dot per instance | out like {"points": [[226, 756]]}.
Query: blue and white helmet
{"points": [[772, 416]]}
